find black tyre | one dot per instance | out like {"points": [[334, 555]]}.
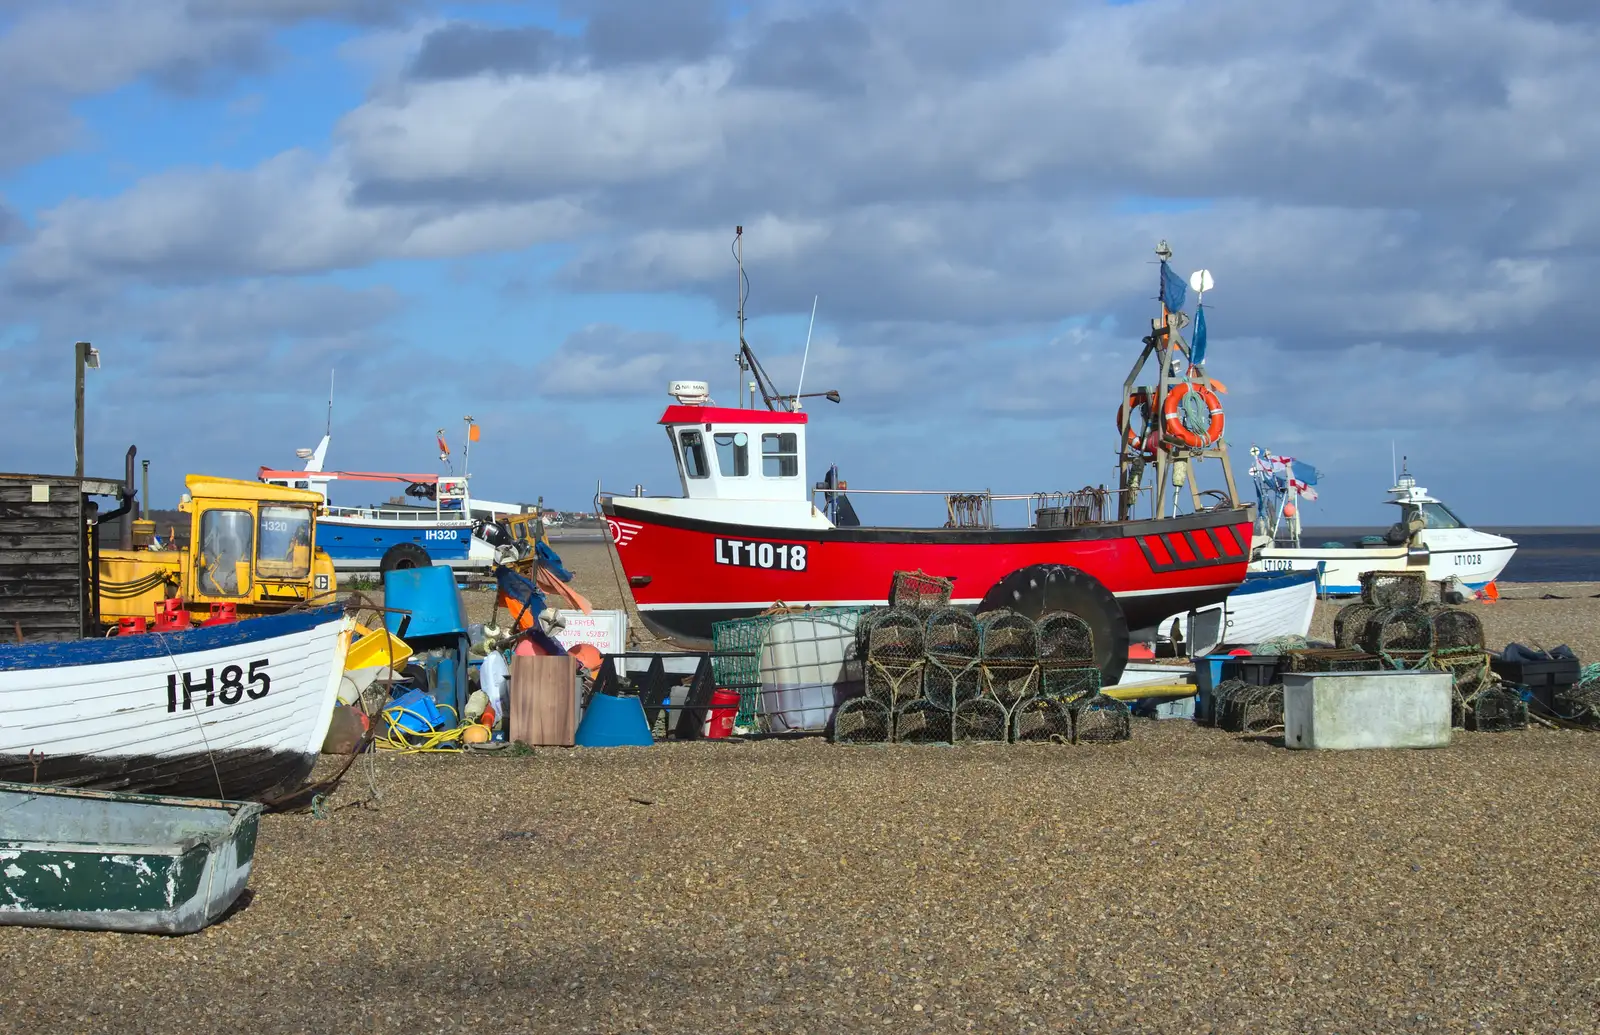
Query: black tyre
{"points": [[1041, 588], [401, 556]]}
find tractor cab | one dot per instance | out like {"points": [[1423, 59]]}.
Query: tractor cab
{"points": [[250, 545]]}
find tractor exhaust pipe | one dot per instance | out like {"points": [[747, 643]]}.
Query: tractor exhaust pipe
{"points": [[125, 541]]}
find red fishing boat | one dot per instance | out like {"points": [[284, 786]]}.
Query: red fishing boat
{"points": [[750, 530]]}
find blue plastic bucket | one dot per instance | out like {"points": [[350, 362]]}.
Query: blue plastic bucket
{"points": [[613, 722]]}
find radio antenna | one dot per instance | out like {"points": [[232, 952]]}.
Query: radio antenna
{"points": [[801, 384]]}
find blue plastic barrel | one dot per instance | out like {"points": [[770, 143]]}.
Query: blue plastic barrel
{"points": [[430, 594]]}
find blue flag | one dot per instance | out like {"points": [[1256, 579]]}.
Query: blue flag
{"points": [[1173, 290], [1304, 472], [1198, 352]]}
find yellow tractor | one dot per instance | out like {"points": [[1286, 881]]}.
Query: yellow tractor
{"points": [[251, 545]]}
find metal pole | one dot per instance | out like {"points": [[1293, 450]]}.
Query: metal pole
{"points": [[80, 353], [144, 492]]}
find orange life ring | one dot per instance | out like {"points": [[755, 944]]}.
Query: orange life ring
{"points": [[1173, 419], [1136, 400]]}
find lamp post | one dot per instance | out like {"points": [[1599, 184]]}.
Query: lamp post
{"points": [[85, 356]]}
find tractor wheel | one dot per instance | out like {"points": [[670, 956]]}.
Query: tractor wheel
{"points": [[401, 556], [1042, 588]]}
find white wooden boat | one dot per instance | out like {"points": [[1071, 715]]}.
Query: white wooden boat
{"points": [[228, 711], [107, 861], [1266, 604]]}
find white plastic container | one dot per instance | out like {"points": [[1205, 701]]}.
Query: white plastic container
{"points": [[808, 665]]}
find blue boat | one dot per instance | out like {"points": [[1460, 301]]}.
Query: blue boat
{"points": [[443, 527]]}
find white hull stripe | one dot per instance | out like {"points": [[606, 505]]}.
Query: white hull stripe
{"points": [[955, 602]]}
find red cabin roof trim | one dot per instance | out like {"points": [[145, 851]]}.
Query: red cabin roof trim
{"points": [[728, 415]]}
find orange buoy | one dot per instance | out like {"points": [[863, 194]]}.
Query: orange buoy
{"points": [[1173, 418], [1137, 400]]}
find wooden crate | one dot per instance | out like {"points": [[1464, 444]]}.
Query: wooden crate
{"points": [[544, 704]]}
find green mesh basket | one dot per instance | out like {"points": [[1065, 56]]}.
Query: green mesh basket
{"points": [[736, 653]]}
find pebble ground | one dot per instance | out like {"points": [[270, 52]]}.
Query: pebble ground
{"points": [[1188, 881]]}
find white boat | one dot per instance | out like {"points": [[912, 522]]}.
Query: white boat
{"points": [[1266, 605], [236, 711], [1428, 537]]}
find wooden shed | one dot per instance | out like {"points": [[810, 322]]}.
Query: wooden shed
{"points": [[47, 550]]}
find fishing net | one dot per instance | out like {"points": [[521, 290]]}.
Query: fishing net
{"points": [[1455, 628], [1063, 636], [1010, 681], [979, 719], [1068, 682], [862, 721], [1241, 707], [919, 590], [1008, 636], [1101, 720], [1495, 709], [920, 722], [949, 681], [1350, 624], [952, 632], [1281, 645], [1393, 589], [1041, 719]]}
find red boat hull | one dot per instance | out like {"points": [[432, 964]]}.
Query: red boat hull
{"points": [[687, 574]]}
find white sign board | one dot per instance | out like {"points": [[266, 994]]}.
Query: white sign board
{"points": [[606, 631]]}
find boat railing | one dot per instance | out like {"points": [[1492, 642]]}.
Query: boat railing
{"points": [[1086, 506], [398, 514]]}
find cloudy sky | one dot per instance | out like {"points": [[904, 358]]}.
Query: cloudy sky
{"points": [[523, 210]]}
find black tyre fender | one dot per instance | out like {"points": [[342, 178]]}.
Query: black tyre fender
{"points": [[404, 555], [1041, 588]]}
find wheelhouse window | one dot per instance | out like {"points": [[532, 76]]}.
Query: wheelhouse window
{"points": [[779, 455], [1437, 515], [733, 453], [227, 541], [284, 535], [694, 454]]}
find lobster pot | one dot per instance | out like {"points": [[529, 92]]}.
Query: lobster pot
{"points": [[1101, 720], [1067, 682], [1398, 632], [979, 719], [1008, 636], [1455, 628], [895, 636], [1335, 660], [949, 681], [919, 722], [862, 721], [1350, 624], [952, 632], [919, 590], [1063, 636], [1041, 719], [895, 683], [1010, 681], [1392, 589], [1242, 707], [1496, 710]]}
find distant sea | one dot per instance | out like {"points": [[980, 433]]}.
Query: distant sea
{"points": [[1543, 554]]}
